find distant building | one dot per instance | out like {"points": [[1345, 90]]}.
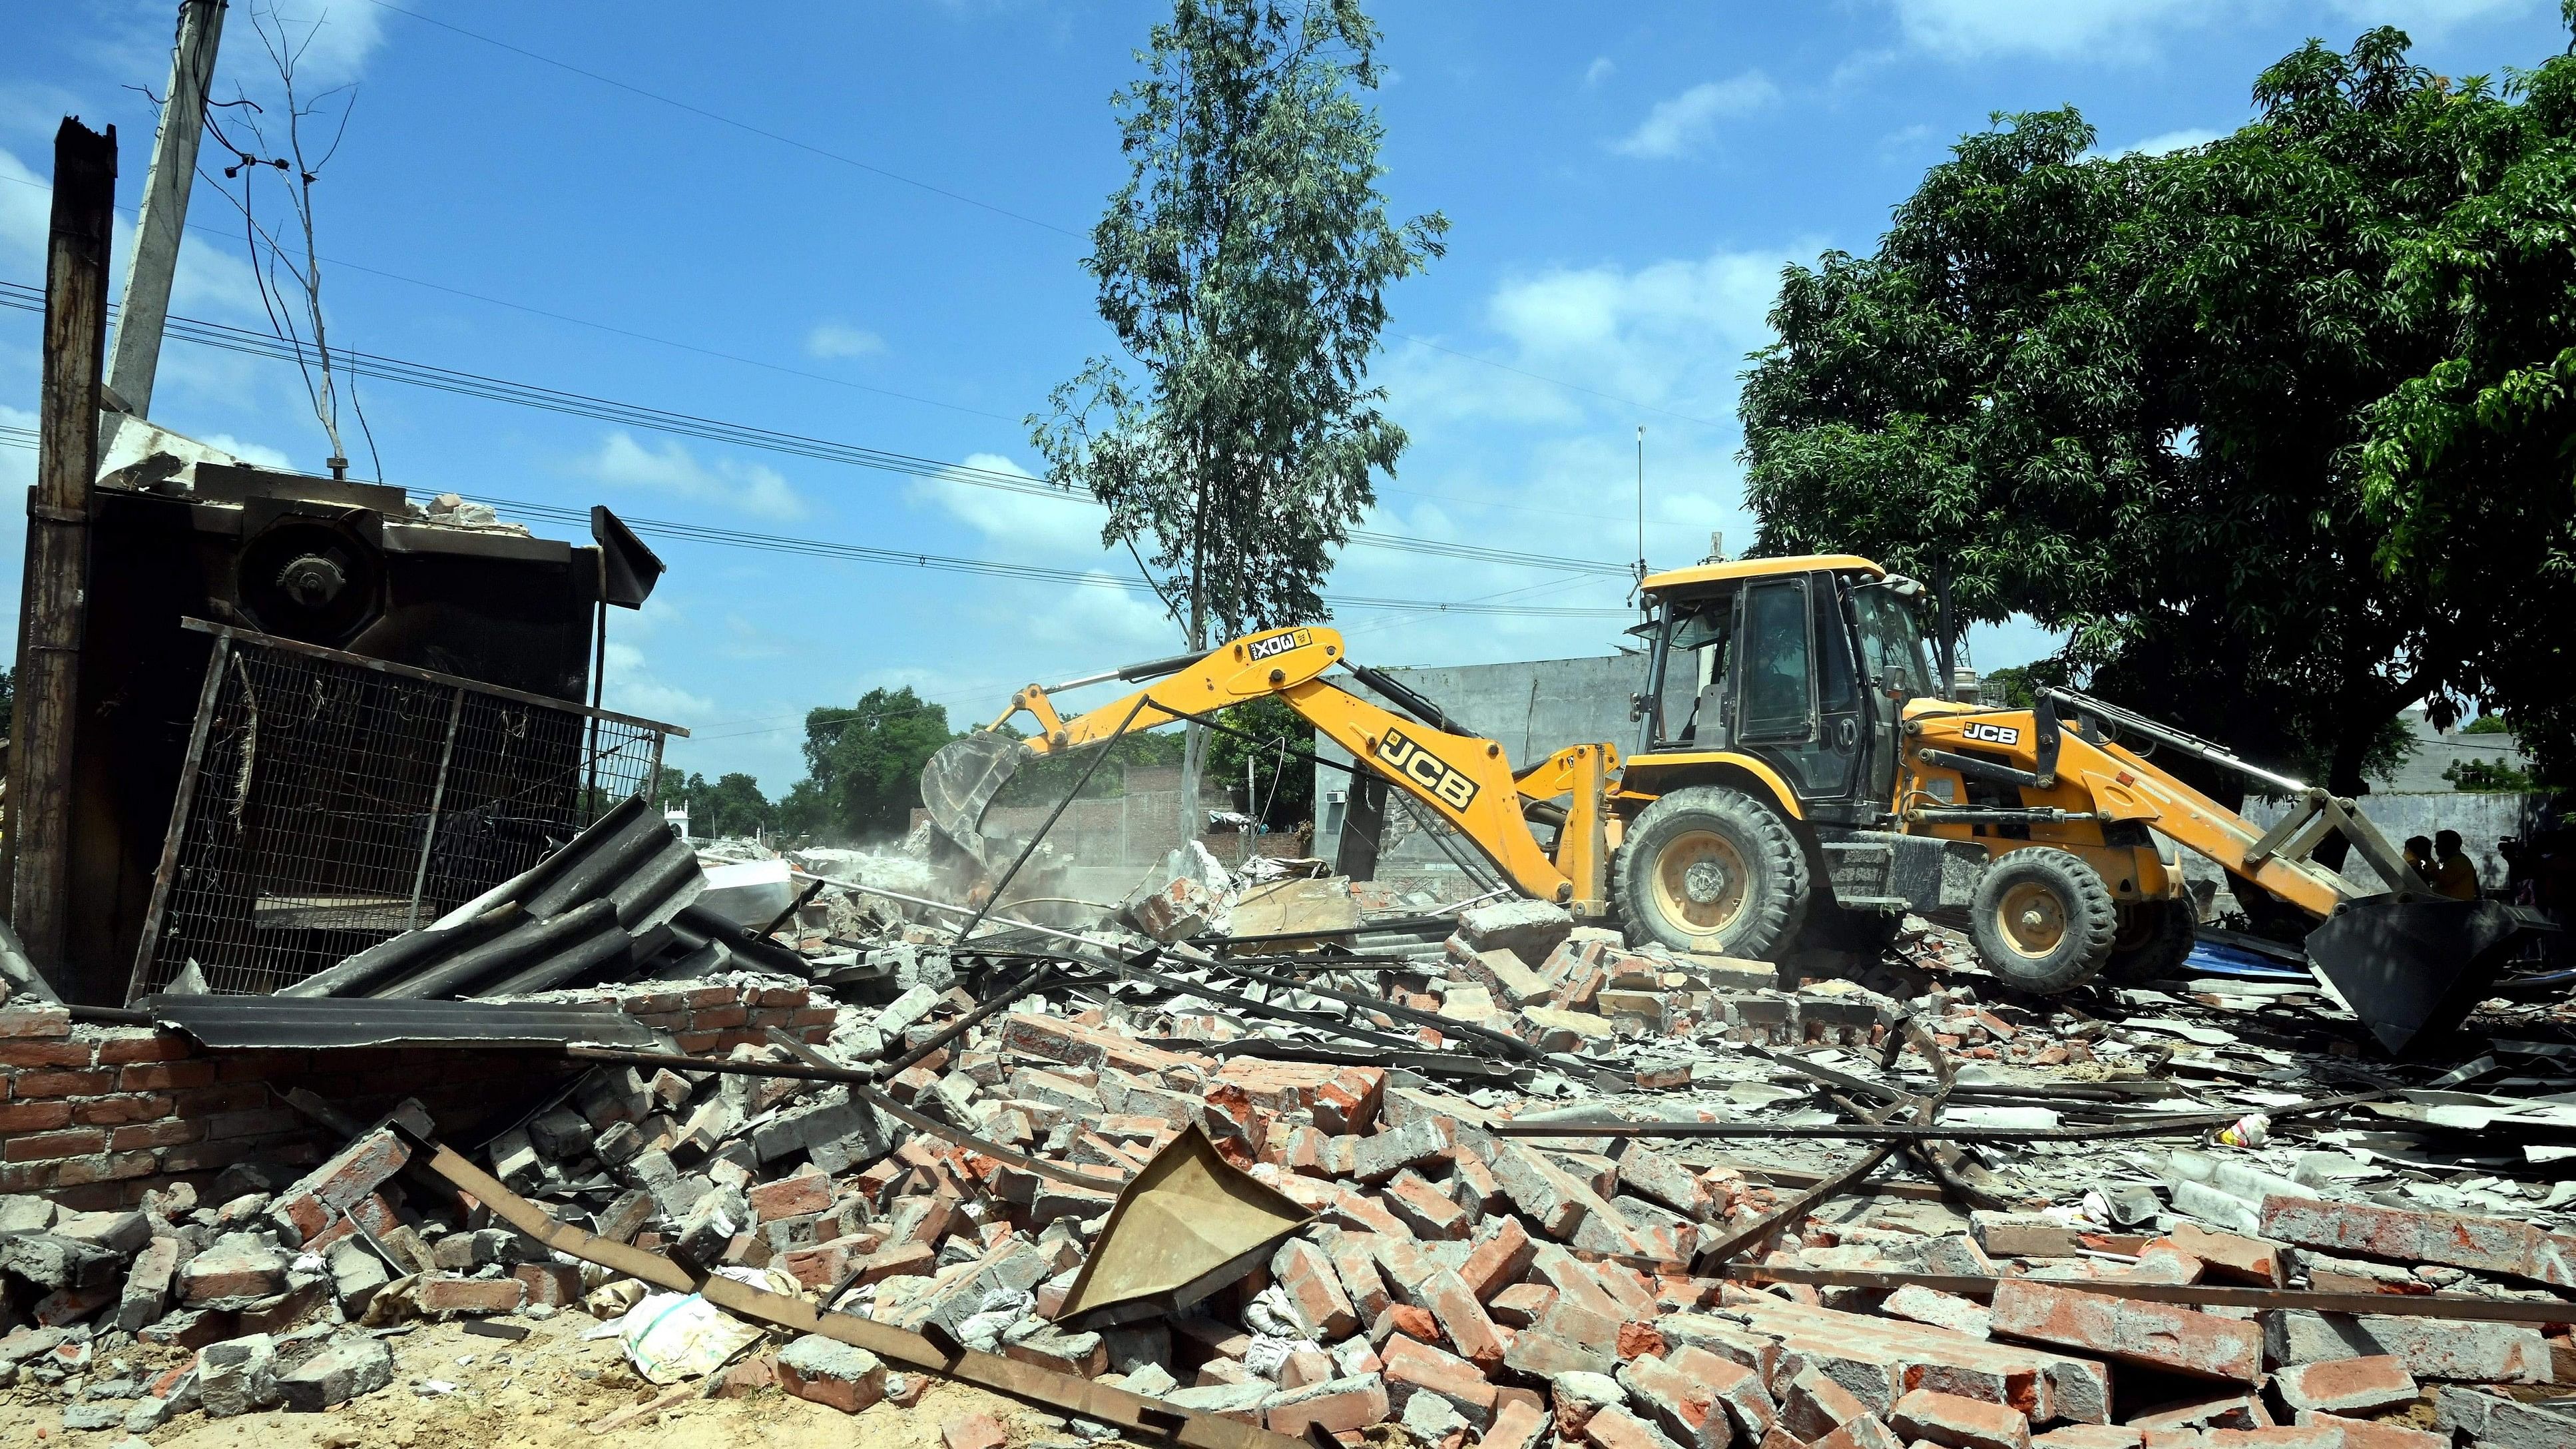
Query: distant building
{"points": [[2436, 751]]}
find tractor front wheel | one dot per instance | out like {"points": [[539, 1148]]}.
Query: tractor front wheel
{"points": [[1712, 869], [2042, 920]]}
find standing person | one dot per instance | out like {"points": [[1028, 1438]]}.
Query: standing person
{"points": [[2454, 874]]}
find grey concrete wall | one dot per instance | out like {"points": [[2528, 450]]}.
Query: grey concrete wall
{"points": [[2481, 818], [2436, 751]]}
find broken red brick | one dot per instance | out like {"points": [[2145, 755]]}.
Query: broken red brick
{"points": [[1503, 1252], [1958, 1423], [2345, 1385], [1412, 1367], [1307, 1275], [2128, 1330], [439, 1293]]}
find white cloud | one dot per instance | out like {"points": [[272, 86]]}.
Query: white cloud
{"points": [[748, 487], [2125, 29], [840, 339], [2422, 19], [2059, 29], [1688, 121], [1671, 334], [258, 453], [1058, 531], [631, 687], [2159, 145], [337, 38], [1601, 69]]}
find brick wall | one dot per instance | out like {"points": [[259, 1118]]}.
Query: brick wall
{"points": [[93, 1116]]}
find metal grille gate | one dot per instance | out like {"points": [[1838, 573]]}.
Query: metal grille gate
{"points": [[330, 801]]}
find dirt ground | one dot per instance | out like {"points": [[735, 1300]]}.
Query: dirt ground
{"points": [[533, 1394]]}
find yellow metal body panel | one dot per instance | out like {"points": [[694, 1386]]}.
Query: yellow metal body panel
{"points": [[1637, 779], [1760, 568], [1248, 668], [2098, 778]]}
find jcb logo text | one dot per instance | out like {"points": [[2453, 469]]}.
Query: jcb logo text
{"points": [[1423, 768]]}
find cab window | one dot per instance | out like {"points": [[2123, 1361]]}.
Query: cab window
{"points": [[1891, 643], [1778, 685], [1697, 644]]}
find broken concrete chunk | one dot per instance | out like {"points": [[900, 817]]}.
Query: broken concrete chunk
{"points": [[237, 1376], [1530, 930], [351, 1365], [828, 1371]]}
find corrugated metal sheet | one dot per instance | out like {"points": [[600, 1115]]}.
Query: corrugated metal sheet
{"points": [[601, 908], [250, 1022]]}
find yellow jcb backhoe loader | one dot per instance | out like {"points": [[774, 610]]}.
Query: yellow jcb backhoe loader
{"points": [[1798, 783]]}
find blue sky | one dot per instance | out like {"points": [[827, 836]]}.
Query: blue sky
{"points": [[893, 264]]}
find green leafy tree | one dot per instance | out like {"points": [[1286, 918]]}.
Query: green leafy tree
{"points": [[2489, 777], [1242, 267], [1282, 785], [863, 766], [733, 805], [2487, 724], [2146, 400]]}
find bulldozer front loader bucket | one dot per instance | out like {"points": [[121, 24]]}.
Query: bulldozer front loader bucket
{"points": [[959, 782], [2412, 970]]}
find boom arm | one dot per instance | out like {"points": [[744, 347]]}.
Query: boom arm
{"points": [[1463, 779]]}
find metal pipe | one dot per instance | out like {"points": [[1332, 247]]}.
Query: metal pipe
{"points": [[2165, 734], [2177, 1125]]}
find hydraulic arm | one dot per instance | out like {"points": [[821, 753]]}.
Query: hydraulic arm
{"points": [[1461, 778]]}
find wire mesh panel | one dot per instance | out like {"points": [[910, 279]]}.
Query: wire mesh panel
{"points": [[332, 801]]}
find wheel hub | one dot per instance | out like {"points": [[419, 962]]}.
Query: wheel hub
{"points": [[2031, 919], [1704, 882], [1700, 882]]}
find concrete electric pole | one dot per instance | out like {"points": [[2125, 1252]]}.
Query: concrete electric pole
{"points": [[165, 206]]}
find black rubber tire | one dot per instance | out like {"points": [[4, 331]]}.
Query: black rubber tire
{"points": [[2153, 940], [2069, 896], [1775, 881]]}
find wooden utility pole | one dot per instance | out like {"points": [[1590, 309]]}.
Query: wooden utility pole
{"points": [[165, 206], [57, 576]]}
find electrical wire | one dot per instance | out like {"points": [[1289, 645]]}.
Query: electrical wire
{"points": [[259, 344], [225, 235], [965, 200], [945, 563]]}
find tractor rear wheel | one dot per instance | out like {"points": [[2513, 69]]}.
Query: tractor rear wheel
{"points": [[2042, 920], [1712, 868], [2154, 938]]}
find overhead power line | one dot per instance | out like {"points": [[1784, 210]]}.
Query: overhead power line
{"points": [[637, 415], [225, 234], [26, 438], [964, 200]]}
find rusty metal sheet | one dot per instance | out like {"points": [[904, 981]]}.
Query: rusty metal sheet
{"points": [[1187, 1224], [1149, 1419]]}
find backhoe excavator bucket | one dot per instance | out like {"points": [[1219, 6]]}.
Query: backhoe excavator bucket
{"points": [[2412, 970], [959, 782]]}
